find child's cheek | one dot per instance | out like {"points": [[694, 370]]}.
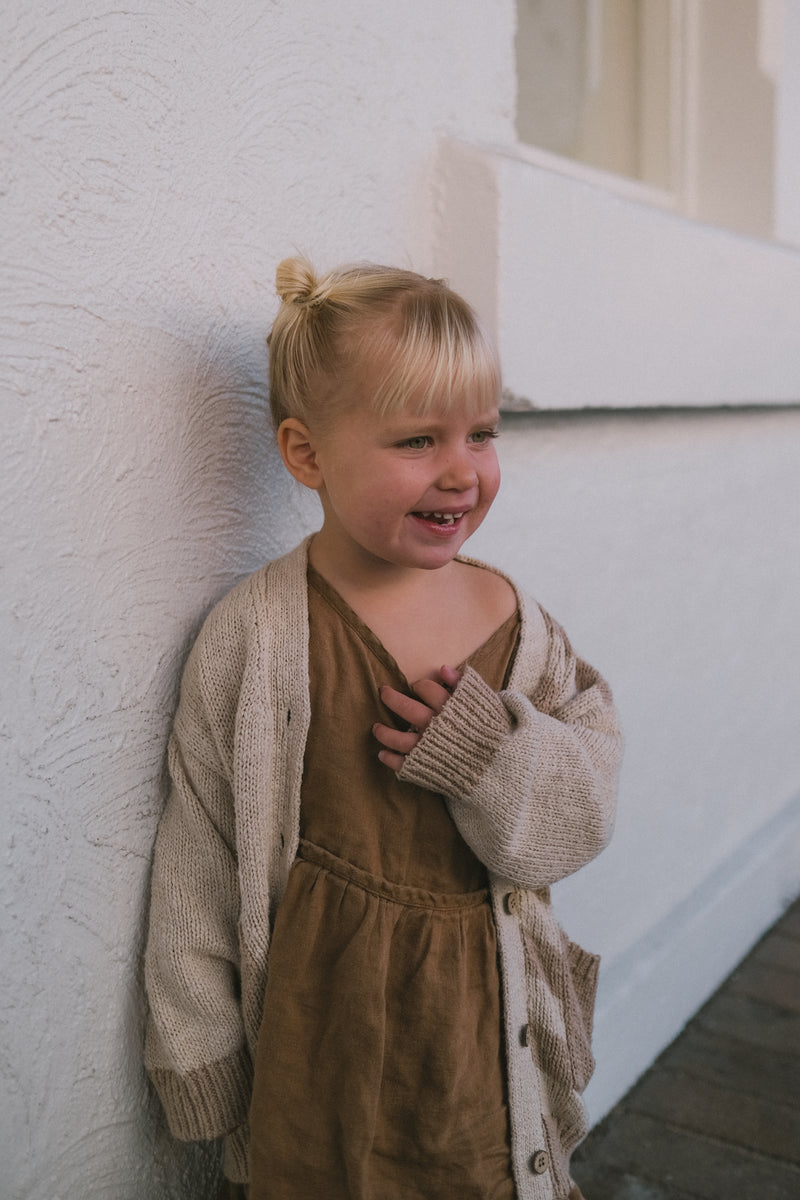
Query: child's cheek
{"points": [[492, 484]]}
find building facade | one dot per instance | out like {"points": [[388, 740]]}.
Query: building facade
{"points": [[643, 284]]}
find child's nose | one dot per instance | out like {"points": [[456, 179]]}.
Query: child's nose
{"points": [[457, 472]]}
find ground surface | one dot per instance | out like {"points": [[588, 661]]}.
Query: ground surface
{"points": [[717, 1117]]}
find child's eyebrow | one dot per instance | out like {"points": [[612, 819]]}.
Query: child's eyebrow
{"points": [[399, 425]]}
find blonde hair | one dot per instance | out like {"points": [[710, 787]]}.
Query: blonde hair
{"points": [[424, 341]]}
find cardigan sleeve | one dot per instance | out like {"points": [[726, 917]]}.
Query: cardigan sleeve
{"points": [[195, 1047], [530, 780]]}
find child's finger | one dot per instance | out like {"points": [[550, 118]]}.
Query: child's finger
{"points": [[393, 761], [450, 676], [407, 708], [402, 741], [431, 693]]}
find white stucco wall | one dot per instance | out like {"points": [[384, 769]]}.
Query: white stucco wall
{"points": [[666, 543], [160, 163]]}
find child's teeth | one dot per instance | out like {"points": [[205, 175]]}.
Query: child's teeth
{"points": [[450, 518]]}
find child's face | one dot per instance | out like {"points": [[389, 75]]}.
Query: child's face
{"points": [[384, 478]]}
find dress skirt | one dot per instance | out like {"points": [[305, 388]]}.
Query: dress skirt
{"points": [[368, 1084]]}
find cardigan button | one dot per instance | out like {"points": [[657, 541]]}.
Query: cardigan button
{"points": [[526, 1036], [512, 903], [540, 1162]]}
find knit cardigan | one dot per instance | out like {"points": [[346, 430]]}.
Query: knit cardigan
{"points": [[529, 775]]}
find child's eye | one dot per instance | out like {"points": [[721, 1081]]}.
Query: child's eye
{"points": [[417, 443], [481, 436]]}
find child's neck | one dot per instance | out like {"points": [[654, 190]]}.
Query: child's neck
{"points": [[424, 618]]}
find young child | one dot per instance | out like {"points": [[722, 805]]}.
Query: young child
{"points": [[382, 758]]}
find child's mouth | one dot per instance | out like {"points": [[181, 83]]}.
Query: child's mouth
{"points": [[439, 518]]}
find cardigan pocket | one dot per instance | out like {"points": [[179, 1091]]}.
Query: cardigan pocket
{"points": [[580, 980], [559, 1157], [562, 990]]}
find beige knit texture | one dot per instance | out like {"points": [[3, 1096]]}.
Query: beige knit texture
{"points": [[529, 775], [530, 782]]}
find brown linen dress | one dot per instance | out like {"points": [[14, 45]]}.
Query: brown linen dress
{"points": [[379, 1073]]}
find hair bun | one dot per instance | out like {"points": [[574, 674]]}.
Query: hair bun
{"points": [[296, 281]]}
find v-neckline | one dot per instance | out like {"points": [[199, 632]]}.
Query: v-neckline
{"points": [[336, 600]]}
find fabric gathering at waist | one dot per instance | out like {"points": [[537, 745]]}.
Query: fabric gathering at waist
{"points": [[396, 893]]}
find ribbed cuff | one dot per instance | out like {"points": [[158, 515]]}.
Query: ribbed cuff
{"points": [[208, 1102], [460, 742]]}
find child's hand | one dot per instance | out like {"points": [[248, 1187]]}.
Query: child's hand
{"points": [[433, 695]]}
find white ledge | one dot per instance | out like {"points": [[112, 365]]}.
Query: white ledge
{"points": [[598, 299]]}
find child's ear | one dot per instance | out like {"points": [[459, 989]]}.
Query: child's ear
{"points": [[299, 452]]}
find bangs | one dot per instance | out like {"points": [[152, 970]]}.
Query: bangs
{"points": [[432, 354]]}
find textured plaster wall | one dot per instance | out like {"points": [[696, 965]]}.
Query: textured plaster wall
{"points": [[158, 162]]}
